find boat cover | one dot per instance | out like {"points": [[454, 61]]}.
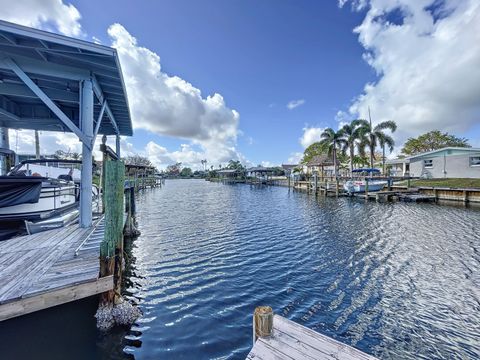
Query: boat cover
{"points": [[19, 190]]}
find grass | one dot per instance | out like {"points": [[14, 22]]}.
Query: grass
{"points": [[450, 183]]}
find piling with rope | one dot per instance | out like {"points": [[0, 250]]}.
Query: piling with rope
{"points": [[262, 322]]}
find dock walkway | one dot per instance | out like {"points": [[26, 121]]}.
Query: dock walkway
{"points": [[293, 341], [50, 268]]}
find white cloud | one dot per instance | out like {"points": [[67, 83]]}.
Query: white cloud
{"points": [[428, 64], [23, 142], [295, 158], [295, 103], [168, 105], [52, 15], [162, 104], [310, 135]]}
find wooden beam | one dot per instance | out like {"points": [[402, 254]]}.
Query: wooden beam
{"points": [[53, 298]]}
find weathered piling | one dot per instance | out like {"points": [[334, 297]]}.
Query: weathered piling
{"points": [[262, 322], [113, 309]]}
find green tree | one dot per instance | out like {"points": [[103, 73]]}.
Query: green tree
{"points": [[353, 135], [186, 172], [235, 165], [375, 135], [137, 160], [432, 140], [313, 150], [174, 169], [332, 141]]}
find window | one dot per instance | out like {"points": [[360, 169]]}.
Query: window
{"points": [[428, 164], [474, 160]]}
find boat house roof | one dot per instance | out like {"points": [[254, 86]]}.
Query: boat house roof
{"points": [[260, 169], [321, 160], [56, 65]]}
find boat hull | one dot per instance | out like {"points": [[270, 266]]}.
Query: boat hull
{"points": [[360, 186]]}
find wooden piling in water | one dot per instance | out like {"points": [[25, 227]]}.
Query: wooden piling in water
{"points": [[111, 248], [262, 322]]}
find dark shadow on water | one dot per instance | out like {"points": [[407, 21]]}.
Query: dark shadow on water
{"points": [[63, 332]]}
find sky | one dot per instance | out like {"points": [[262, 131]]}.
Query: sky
{"points": [[258, 81]]}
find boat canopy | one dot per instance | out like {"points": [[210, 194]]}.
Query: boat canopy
{"points": [[367, 170]]}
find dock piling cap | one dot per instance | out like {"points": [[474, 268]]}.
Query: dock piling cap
{"points": [[263, 321]]}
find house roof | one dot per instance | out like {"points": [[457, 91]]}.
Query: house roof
{"points": [[56, 64], [321, 160], [449, 151], [289, 166], [228, 171], [260, 169]]}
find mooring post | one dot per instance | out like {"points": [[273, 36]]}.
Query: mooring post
{"points": [[408, 183], [336, 187], [111, 248], [366, 188], [262, 322], [315, 178]]}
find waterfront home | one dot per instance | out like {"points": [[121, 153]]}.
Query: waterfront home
{"points": [[230, 173], [448, 162], [320, 165], [289, 169], [260, 172]]}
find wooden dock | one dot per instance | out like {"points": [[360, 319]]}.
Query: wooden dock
{"points": [[50, 268], [292, 341]]}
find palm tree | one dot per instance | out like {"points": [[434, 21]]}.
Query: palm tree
{"points": [[352, 135], [372, 136], [332, 141], [385, 140]]}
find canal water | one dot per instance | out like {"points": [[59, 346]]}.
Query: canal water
{"points": [[399, 281]]}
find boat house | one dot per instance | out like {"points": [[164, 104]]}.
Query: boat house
{"points": [[320, 165], [449, 162], [52, 82]]}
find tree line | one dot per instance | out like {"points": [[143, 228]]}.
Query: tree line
{"points": [[357, 142]]}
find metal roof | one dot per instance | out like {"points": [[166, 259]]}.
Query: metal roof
{"points": [[450, 150], [56, 64]]}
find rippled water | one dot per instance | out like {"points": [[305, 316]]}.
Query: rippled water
{"points": [[395, 280], [400, 281]]}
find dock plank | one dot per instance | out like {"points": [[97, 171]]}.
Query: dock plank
{"points": [[43, 270], [294, 341]]}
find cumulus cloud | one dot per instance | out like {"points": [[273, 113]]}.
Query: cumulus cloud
{"points": [[162, 104], [169, 105], [310, 135], [51, 15], [191, 157], [426, 54], [295, 158], [295, 103], [23, 142]]}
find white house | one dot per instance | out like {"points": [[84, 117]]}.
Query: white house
{"points": [[449, 162]]}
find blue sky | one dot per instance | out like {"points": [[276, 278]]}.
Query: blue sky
{"points": [[259, 56]]}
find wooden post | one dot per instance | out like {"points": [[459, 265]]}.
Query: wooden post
{"points": [[262, 322], [316, 183], [408, 183], [366, 188], [111, 248], [465, 196], [336, 187]]}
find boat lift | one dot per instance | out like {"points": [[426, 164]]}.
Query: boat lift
{"points": [[52, 82]]}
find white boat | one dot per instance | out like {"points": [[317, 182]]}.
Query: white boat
{"points": [[41, 196], [359, 186]]}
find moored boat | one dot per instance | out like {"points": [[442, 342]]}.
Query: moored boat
{"points": [[40, 195], [360, 186]]}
